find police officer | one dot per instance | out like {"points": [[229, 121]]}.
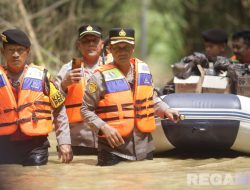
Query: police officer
{"points": [[119, 103], [215, 46], [241, 46], [215, 43], [72, 80], [213, 59], [240, 70], [27, 98]]}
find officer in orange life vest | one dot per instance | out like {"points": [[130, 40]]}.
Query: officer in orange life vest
{"points": [[119, 104], [72, 81], [27, 98]]}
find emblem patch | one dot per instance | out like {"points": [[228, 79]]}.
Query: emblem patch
{"points": [[92, 87]]}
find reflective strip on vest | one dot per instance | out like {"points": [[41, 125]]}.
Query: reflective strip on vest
{"points": [[144, 104], [115, 81]]}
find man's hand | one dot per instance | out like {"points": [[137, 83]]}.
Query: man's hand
{"points": [[172, 115], [112, 135], [73, 76], [65, 153]]}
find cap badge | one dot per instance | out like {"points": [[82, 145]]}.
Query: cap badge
{"points": [[4, 38], [122, 33], [89, 28]]}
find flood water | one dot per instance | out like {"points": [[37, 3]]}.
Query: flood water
{"points": [[172, 170]]}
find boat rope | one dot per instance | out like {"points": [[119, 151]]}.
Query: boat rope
{"points": [[213, 114]]}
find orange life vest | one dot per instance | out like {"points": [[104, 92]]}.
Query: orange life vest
{"points": [[120, 108], [32, 112], [73, 100], [8, 114], [143, 96]]}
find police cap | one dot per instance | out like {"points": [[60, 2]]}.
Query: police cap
{"points": [[15, 36], [215, 36], [89, 29], [117, 35]]}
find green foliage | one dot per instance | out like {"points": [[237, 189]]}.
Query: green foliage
{"points": [[201, 15], [173, 27]]}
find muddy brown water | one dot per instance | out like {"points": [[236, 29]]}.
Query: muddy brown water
{"points": [[171, 170]]}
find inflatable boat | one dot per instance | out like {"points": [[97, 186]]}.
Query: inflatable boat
{"points": [[211, 121]]}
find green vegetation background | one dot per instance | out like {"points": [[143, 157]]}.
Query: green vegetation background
{"points": [[165, 30]]}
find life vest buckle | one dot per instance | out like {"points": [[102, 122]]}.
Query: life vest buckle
{"points": [[138, 108], [21, 107], [34, 118]]}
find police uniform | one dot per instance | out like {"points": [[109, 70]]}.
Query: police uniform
{"points": [[20, 148], [138, 145], [84, 139]]}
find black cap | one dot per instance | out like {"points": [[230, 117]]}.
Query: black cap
{"points": [[89, 29], [15, 36], [215, 36], [117, 35]]}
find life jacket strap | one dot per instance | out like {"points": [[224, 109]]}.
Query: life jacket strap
{"points": [[8, 110], [21, 107], [114, 108], [144, 100], [24, 120], [35, 118], [43, 111], [7, 124], [115, 118], [144, 115], [42, 103], [73, 105], [140, 108]]}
